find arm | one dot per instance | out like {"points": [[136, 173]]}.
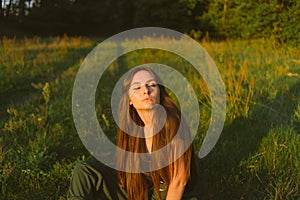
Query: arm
{"points": [[180, 168], [177, 184]]}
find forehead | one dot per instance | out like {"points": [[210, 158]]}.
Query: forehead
{"points": [[142, 77]]}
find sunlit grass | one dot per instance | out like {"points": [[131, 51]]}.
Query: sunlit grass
{"points": [[256, 157]]}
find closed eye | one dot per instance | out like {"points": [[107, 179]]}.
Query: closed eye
{"points": [[136, 88], [153, 85]]}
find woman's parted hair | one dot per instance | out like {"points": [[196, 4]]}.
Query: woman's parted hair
{"points": [[135, 183]]}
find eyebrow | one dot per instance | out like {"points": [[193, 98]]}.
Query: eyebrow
{"points": [[141, 82]]}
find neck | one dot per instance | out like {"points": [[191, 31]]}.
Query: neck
{"points": [[146, 117], [148, 133]]}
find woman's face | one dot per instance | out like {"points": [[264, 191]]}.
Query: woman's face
{"points": [[143, 91]]}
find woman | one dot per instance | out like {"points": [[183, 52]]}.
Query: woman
{"points": [[140, 116]]}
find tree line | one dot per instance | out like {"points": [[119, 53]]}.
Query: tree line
{"points": [[217, 19]]}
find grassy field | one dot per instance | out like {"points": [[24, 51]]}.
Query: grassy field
{"points": [[257, 156]]}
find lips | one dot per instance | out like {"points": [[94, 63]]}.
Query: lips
{"points": [[147, 99]]}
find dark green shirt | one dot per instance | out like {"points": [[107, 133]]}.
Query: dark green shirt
{"points": [[92, 180]]}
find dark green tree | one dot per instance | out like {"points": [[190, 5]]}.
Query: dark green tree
{"points": [[1, 9], [278, 19], [162, 13]]}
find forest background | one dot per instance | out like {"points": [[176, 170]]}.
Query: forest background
{"points": [[218, 19]]}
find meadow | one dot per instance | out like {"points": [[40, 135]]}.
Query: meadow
{"points": [[257, 156]]}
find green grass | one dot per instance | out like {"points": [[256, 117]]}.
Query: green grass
{"points": [[257, 156]]}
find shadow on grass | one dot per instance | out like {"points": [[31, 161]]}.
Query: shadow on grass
{"points": [[221, 169], [21, 90]]}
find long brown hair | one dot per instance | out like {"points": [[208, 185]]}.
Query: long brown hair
{"points": [[135, 183]]}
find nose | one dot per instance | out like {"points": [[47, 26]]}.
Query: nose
{"points": [[145, 89]]}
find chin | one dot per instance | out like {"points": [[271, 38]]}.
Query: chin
{"points": [[148, 106]]}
